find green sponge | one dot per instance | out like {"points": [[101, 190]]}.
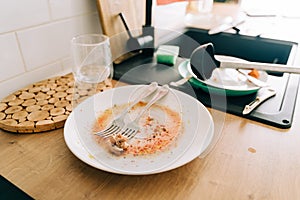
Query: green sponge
{"points": [[167, 54]]}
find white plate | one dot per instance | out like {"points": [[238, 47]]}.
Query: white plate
{"points": [[231, 79], [197, 135], [225, 80]]}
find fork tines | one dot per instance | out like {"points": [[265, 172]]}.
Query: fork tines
{"points": [[130, 129], [129, 133], [118, 123], [112, 129]]}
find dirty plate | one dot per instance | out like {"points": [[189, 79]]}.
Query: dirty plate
{"points": [[223, 81], [198, 129]]}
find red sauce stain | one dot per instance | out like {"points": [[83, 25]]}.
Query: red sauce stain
{"points": [[162, 133]]}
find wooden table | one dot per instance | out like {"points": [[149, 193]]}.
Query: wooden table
{"points": [[250, 161]]}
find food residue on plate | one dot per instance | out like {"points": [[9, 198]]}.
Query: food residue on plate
{"points": [[254, 73], [230, 77], [118, 143], [160, 127]]}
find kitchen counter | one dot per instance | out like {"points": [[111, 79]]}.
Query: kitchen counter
{"points": [[250, 160]]}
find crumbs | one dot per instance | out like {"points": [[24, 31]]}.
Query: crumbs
{"points": [[159, 129], [251, 150]]}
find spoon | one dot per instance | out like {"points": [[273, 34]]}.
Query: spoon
{"points": [[252, 79], [203, 62]]}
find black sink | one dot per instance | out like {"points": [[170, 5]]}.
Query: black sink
{"points": [[277, 111], [246, 47]]}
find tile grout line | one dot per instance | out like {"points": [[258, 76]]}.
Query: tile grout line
{"points": [[48, 22], [20, 51]]}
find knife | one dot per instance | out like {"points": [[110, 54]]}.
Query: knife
{"points": [[263, 95]]}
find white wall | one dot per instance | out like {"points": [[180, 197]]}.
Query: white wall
{"points": [[35, 38]]}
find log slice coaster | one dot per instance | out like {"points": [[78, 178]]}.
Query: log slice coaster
{"points": [[44, 105]]}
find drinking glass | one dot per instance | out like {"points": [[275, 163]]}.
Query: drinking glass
{"points": [[92, 65]]}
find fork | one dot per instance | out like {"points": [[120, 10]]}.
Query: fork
{"points": [[132, 128], [118, 123]]}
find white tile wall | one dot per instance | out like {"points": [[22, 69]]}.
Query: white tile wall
{"points": [[16, 83], [67, 8], [16, 14], [35, 36], [47, 43], [11, 63]]}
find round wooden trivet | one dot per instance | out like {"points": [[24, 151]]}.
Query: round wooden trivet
{"points": [[44, 105]]}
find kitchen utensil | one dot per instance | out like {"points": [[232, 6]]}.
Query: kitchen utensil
{"points": [[203, 62], [263, 95], [112, 26], [118, 123], [252, 79], [131, 128]]}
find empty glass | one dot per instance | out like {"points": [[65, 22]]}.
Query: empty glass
{"points": [[92, 68]]}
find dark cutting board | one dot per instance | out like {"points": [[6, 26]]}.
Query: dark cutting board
{"points": [[277, 111]]}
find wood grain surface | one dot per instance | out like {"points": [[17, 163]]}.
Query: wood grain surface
{"points": [[112, 26], [44, 105], [250, 161]]}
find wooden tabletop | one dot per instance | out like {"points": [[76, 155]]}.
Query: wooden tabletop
{"points": [[250, 161]]}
